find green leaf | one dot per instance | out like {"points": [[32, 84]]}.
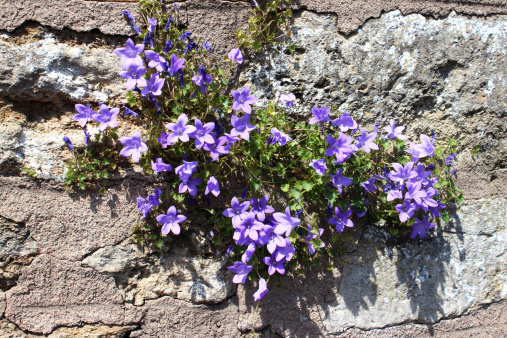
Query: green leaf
{"points": [[334, 238], [460, 199], [256, 46], [445, 216], [307, 185], [330, 267], [255, 185], [153, 236], [296, 193], [452, 142], [102, 191], [285, 187]]}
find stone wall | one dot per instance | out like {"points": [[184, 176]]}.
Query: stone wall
{"points": [[68, 266]]}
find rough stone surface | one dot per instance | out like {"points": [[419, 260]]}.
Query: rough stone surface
{"points": [[53, 292], [70, 224], [177, 272], [2, 304], [447, 75], [168, 317], [17, 249], [49, 70]]}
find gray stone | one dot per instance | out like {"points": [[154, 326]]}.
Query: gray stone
{"points": [[443, 276], [142, 274], [2, 304], [48, 70], [17, 249]]}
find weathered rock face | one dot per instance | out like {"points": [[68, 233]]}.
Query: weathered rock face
{"points": [[17, 249], [141, 274]]}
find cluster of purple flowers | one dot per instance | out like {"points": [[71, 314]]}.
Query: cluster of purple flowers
{"points": [[254, 229]]}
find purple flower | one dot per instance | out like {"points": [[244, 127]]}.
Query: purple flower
{"points": [[185, 36], [341, 147], [406, 210], [414, 152], [168, 46], [241, 126], [312, 236], [402, 173], [241, 270], [159, 166], [279, 137], [176, 65], [319, 166], [248, 227], [152, 24], [85, 114], [157, 61], [285, 253], [449, 159], [130, 54], [230, 140], [248, 252], [127, 111], [202, 134], [274, 266], [414, 192], [190, 184], [260, 208], [187, 168], [170, 21], [207, 47], [203, 79], [263, 289], [243, 100], [87, 136], [107, 118], [67, 140], [394, 132], [341, 219], [285, 222], [212, 187], [319, 115], [145, 206], [229, 250], [426, 148], [130, 18], [180, 130], [287, 99], [133, 146], [217, 148], [236, 210], [154, 86], [170, 221], [345, 123], [369, 185], [365, 142], [134, 76], [235, 55], [419, 227], [163, 140], [338, 180], [396, 193], [148, 40], [272, 240]]}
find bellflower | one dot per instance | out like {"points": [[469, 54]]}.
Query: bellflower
{"points": [[340, 147], [248, 227], [414, 192], [131, 19], [422, 174], [216, 148], [261, 292], [212, 187], [248, 253], [202, 134], [394, 132], [207, 47], [420, 226], [127, 111], [159, 166], [287, 99], [365, 142], [130, 54], [87, 136], [85, 114], [274, 266], [369, 185], [190, 45], [279, 137], [243, 100], [157, 61], [176, 65], [203, 79], [449, 159], [107, 118], [180, 130], [312, 236], [285, 253], [69, 144], [341, 219], [168, 46], [236, 55], [185, 36], [134, 76], [345, 122], [272, 240], [338, 180], [148, 40], [163, 140], [426, 148], [319, 115], [190, 184], [145, 206], [241, 127], [154, 86], [187, 168], [171, 221], [319, 166], [241, 270], [414, 152], [406, 210], [260, 208], [396, 193], [402, 173], [236, 210], [285, 222], [152, 24], [230, 140], [133, 146]]}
